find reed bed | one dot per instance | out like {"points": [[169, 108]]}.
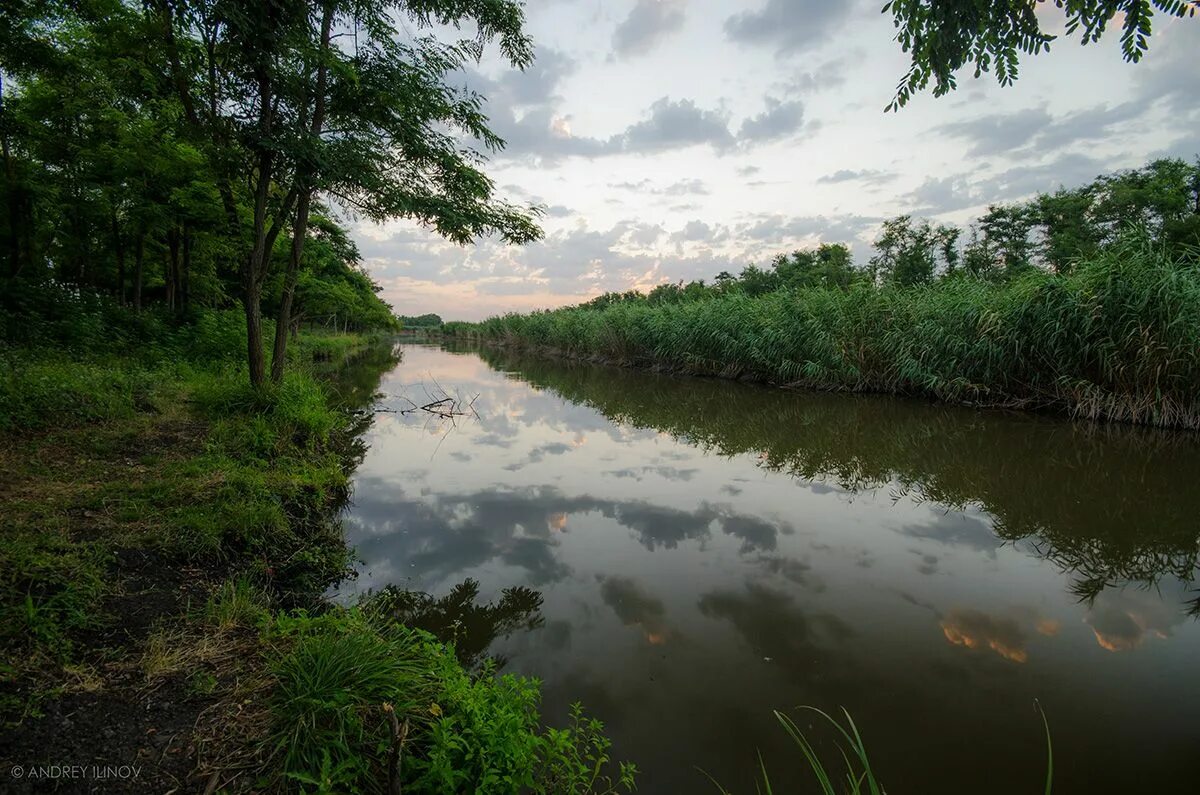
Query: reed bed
{"points": [[1118, 338]]}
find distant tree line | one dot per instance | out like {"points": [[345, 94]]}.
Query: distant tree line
{"points": [[1052, 231], [420, 321]]}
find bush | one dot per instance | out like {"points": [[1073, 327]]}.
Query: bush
{"points": [[341, 677]]}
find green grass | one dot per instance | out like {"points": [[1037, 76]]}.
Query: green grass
{"points": [[239, 602], [358, 700], [330, 723], [1118, 338], [854, 775], [122, 432]]}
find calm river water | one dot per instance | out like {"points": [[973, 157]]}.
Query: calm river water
{"points": [[709, 551]]}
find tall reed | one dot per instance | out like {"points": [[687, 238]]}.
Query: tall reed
{"points": [[1118, 338]]}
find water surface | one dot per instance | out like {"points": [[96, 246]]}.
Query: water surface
{"points": [[709, 551]]}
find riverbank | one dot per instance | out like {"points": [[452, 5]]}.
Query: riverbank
{"points": [[1113, 339], [168, 535], [137, 481]]}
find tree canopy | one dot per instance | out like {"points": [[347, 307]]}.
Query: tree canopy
{"points": [[943, 36], [189, 151]]}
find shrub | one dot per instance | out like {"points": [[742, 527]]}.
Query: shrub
{"points": [[343, 676]]}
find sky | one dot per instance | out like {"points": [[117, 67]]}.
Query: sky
{"points": [[669, 140]]}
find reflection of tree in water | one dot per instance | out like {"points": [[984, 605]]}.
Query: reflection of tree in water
{"points": [[1112, 504], [458, 618], [354, 383], [355, 380]]}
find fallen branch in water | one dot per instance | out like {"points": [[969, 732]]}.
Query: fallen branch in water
{"points": [[440, 404]]}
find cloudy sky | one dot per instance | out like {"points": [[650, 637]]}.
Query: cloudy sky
{"points": [[673, 139]]}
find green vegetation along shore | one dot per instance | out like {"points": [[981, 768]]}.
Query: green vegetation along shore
{"points": [[169, 531], [1059, 303]]}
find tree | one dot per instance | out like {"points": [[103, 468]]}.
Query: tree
{"points": [[945, 238], [374, 121], [829, 265], [1162, 197], [942, 36], [1007, 229], [666, 293], [1069, 233], [420, 321], [753, 280], [979, 258], [905, 252]]}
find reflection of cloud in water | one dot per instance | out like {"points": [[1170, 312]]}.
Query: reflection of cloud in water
{"points": [[1048, 626], [492, 440], [797, 571], [1122, 620], [554, 448], [817, 487], [956, 529], [754, 532], [776, 627], [635, 607], [665, 472], [556, 635], [977, 630], [440, 535]]}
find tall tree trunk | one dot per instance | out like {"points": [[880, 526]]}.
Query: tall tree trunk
{"points": [[119, 249], [255, 264], [172, 267], [186, 274], [252, 303], [283, 320], [139, 250], [75, 240], [12, 195]]}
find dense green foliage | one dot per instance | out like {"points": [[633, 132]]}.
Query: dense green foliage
{"points": [[1085, 301], [360, 701], [1116, 338], [942, 36], [194, 153], [420, 321]]}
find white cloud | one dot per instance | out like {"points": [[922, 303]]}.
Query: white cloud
{"points": [[672, 139]]}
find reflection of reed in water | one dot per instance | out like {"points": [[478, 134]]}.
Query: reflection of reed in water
{"points": [[1111, 504]]}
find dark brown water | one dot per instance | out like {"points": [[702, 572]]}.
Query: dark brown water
{"points": [[710, 551]]}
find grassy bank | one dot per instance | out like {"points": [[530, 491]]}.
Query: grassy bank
{"points": [[1118, 337], [168, 533]]}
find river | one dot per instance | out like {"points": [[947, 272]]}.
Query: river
{"points": [[709, 551]]}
